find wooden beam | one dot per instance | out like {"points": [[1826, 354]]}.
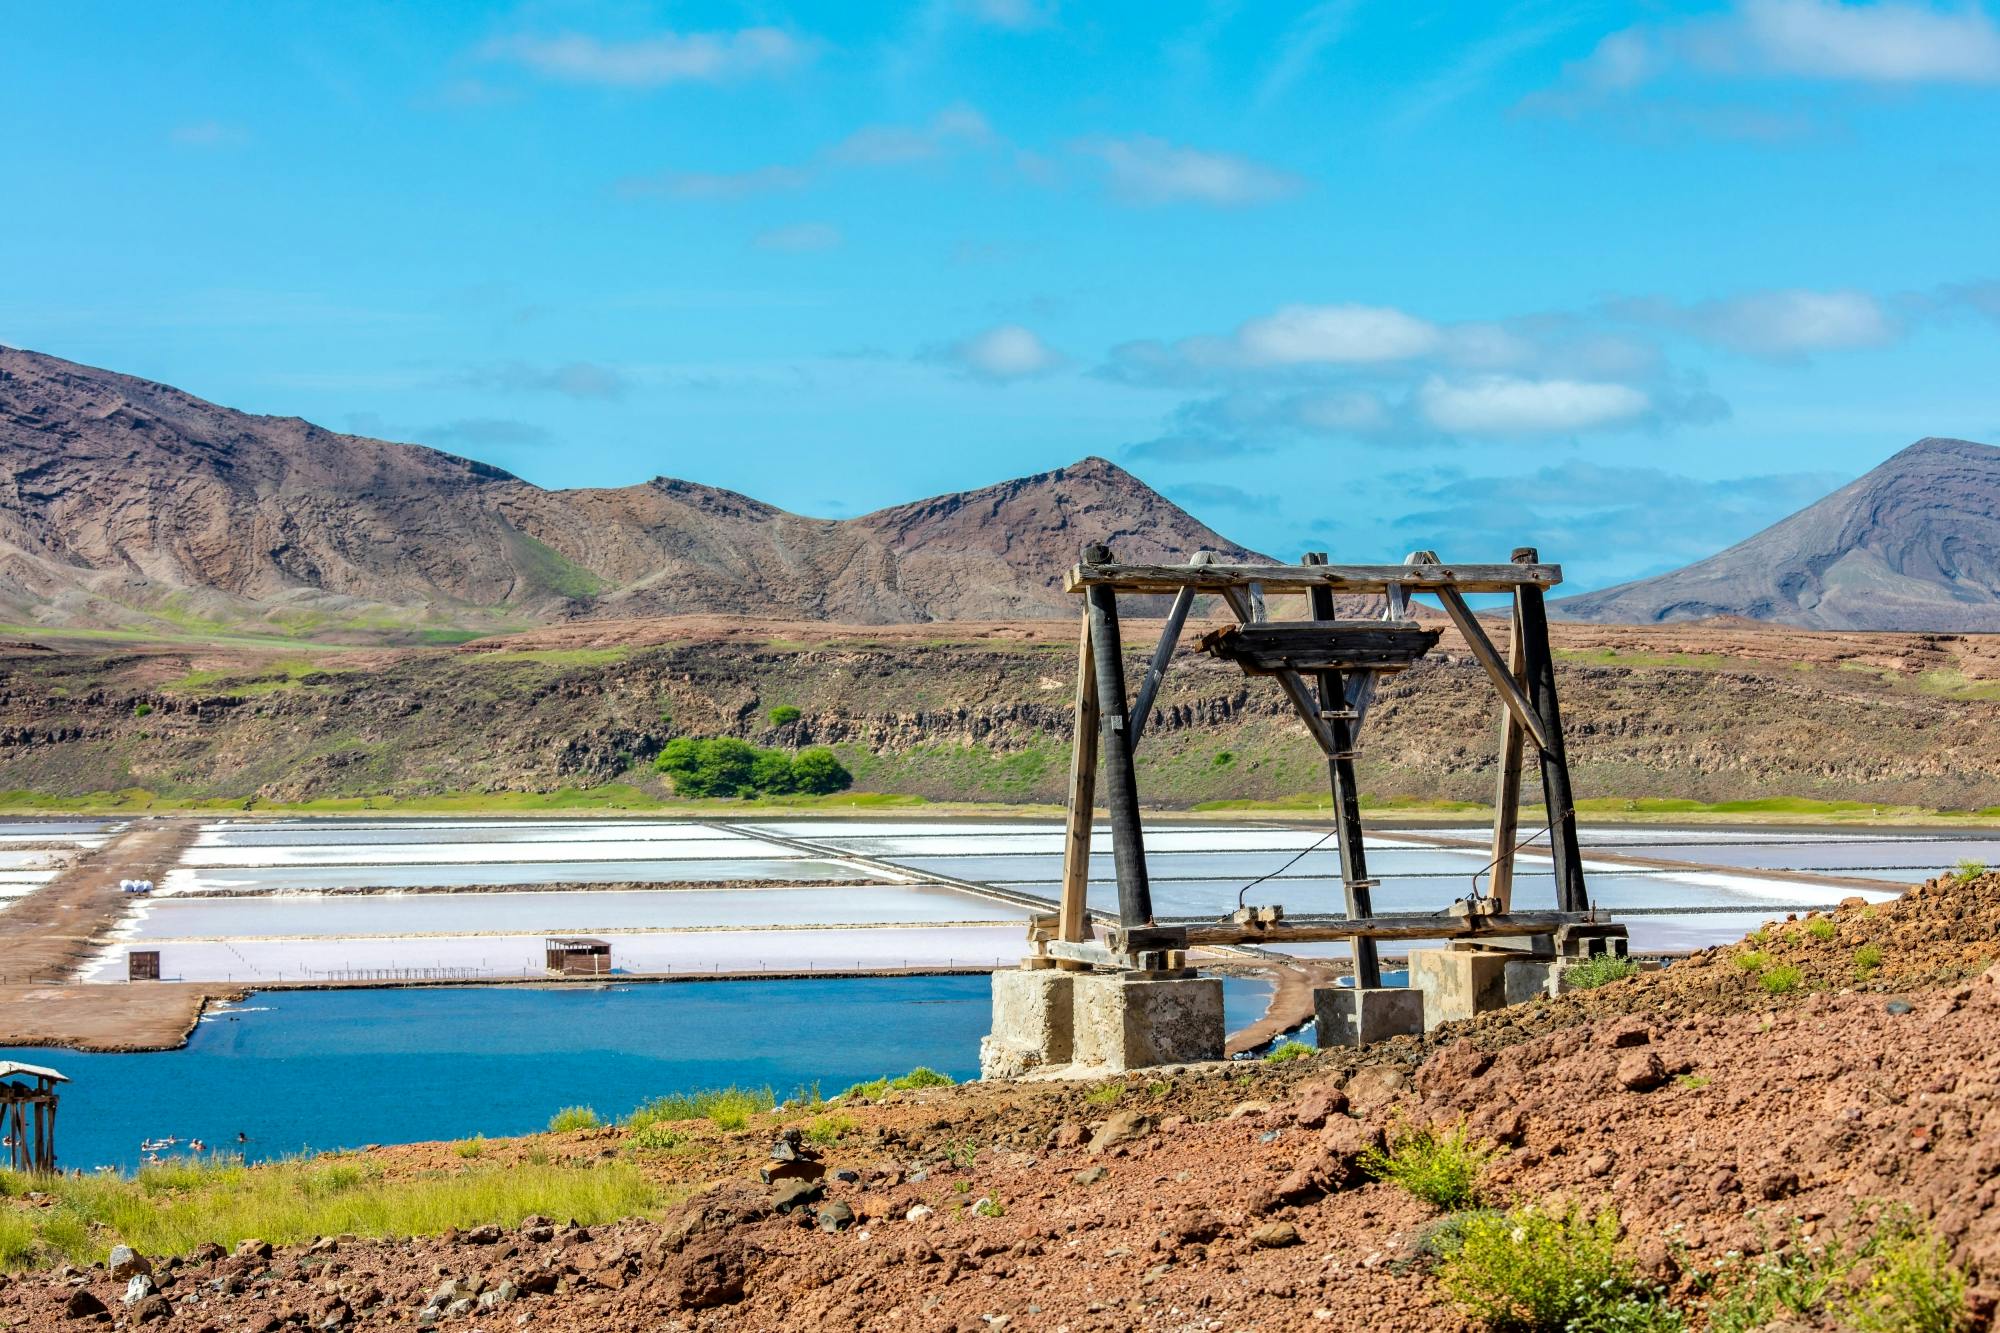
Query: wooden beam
{"points": [[1293, 685], [1331, 645], [1507, 794], [1540, 672], [1393, 926], [1301, 578], [1496, 670], [1121, 785], [1354, 879], [1170, 635], [1073, 916]]}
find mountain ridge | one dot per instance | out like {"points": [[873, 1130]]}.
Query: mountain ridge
{"points": [[128, 503], [1913, 544]]}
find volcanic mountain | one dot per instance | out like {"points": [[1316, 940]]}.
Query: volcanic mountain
{"points": [[1912, 545], [126, 503]]}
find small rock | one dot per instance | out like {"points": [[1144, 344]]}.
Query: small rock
{"points": [[1091, 1176], [797, 1194], [1318, 1103], [918, 1213], [1600, 1164], [153, 1307], [836, 1217], [847, 1176], [1627, 1033], [1269, 1136], [126, 1262], [458, 1308], [1897, 1007], [1275, 1236], [1120, 1128], [83, 1305], [1249, 1110], [1375, 1086], [1066, 1135], [139, 1288], [487, 1235], [1641, 1071], [252, 1248], [988, 1207]]}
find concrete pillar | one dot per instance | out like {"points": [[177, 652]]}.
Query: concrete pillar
{"points": [[1130, 1021], [1359, 1015], [1458, 983], [1033, 1022]]}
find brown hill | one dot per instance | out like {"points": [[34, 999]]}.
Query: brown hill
{"points": [[1913, 545], [126, 503]]}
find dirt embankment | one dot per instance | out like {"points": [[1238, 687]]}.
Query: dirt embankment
{"points": [[982, 712], [1725, 1121]]}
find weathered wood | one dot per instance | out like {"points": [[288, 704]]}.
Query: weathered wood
{"points": [[1083, 951], [1073, 917], [1335, 645], [1496, 670], [1507, 793], [1259, 613], [1539, 668], [1170, 635], [1291, 682], [1294, 930], [1300, 578], [1121, 787], [1340, 774]]}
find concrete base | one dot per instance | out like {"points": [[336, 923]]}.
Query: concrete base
{"points": [[1353, 1016], [1125, 1021], [1458, 983], [1033, 1022], [1528, 978]]}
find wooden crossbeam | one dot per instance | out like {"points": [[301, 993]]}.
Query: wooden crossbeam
{"points": [[1394, 926], [1315, 645], [1304, 578]]}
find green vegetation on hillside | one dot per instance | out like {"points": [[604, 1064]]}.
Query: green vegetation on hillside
{"points": [[721, 766]]}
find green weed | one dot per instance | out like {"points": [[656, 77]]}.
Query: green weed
{"points": [[1599, 970], [828, 1130], [573, 1118], [1291, 1050], [1866, 960], [1822, 928], [1441, 1167], [470, 1148], [657, 1136], [728, 1108], [1782, 980], [1751, 960], [1534, 1271], [1108, 1094]]}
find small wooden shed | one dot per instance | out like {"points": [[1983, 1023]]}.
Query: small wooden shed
{"points": [[142, 965], [28, 1115], [577, 956]]}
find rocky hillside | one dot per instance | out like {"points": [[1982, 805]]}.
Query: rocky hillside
{"points": [[1913, 545], [982, 713], [125, 503]]}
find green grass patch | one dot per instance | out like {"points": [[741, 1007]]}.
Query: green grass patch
{"points": [[1782, 980], [557, 657], [169, 1210], [1751, 960], [727, 1108], [471, 1148], [1291, 1050], [551, 569], [1108, 1094], [658, 1136], [1968, 871], [827, 1130], [921, 1077], [1532, 1270], [1822, 928], [572, 1118], [266, 678], [1910, 1284], [1599, 970], [1443, 1167], [1867, 959]]}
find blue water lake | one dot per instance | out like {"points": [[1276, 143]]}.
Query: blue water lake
{"points": [[322, 1070]]}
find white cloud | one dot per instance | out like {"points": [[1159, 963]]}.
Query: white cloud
{"points": [[1336, 335], [800, 238], [1342, 412], [1509, 405], [1299, 49], [886, 145], [651, 62], [1005, 352], [1781, 325], [1146, 170]]}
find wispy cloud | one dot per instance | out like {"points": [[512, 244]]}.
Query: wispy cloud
{"points": [[1301, 45], [487, 432], [1475, 66], [1507, 405], [1003, 353], [1014, 15], [653, 61], [1786, 325], [574, 379], [1145, 170], [800, 238], [957, 126]]}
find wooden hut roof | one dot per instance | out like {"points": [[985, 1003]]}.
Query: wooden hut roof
{"points": [[9, 1068]]}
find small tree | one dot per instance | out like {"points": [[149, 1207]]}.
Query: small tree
{"points": [[772, 773], [817, 772], [784, 715]]}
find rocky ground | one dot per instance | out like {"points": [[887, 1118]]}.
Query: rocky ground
{"points": [[1787, 1092]]}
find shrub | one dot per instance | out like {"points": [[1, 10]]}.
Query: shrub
{"points": [[1600, 970], [784, 715], [1913, 1289], [723, 766], [1822, 928], [923, 1076], [1107, 1095], [727, 1108], [1911, 1285], [141, 709], [1866, 959], [1291, 1050], [572, 1118], [828, 1130], [470, 1148], [657, 1136], [1441, 1167], [1969, 871], [873, 1089], [1781, 980], [817, 773], [1529, 1270], [771, 774], [1752, 960]]}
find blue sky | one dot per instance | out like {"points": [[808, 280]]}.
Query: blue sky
{"points": [[1624, 281]]}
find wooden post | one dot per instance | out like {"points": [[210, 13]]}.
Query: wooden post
{"points": [[1540, 668], [1507, 794], [1346, 800], [1073, 920], [1170, 635], [1121, 787]]}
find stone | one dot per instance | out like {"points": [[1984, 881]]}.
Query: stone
{"points": [[153, 1307], [1067, 1135], [138, 1289], [1317, 1102], [1120, 1128], [1897, 1007], [797, 1194], [1641, 1071], [1375, 1087], [836, 1217], [1275, 1236], [1091, 1176], [126, 1262], [918, 1213], [1458, 983], [847, 1176], [252, 1248], [486, 1235], [1249, 1110], [1344, 1143], [461, 1307], [1627, 1033], [82, 1305], [1525, 979], [1125, 1021], [1359, 1016], [1033, 1022]]}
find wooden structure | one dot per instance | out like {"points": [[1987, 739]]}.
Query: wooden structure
{"points": [[142, 965], [1327, 668], [28, 1115], [577, 956]]}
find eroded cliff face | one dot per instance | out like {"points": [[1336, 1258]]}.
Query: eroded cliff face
{"points": [[1861, 718], [129, 503]]}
